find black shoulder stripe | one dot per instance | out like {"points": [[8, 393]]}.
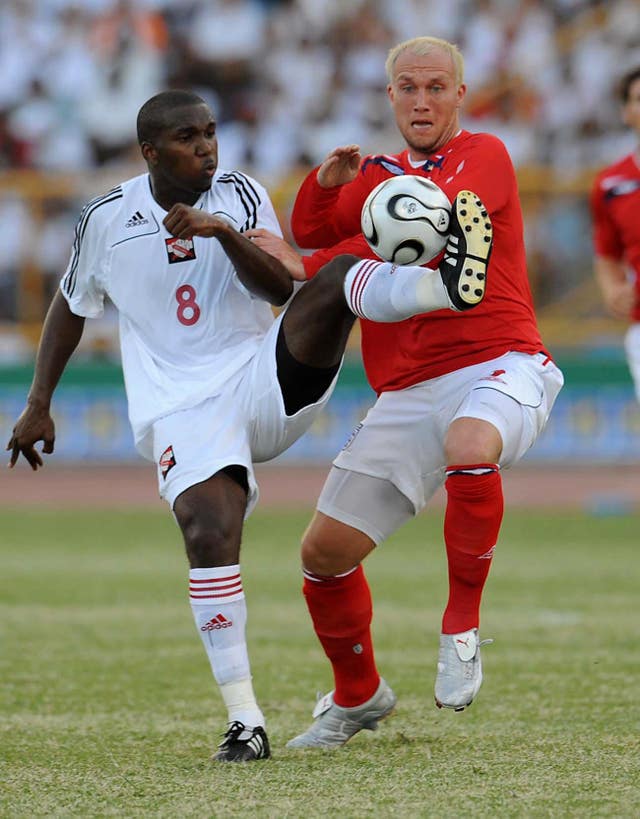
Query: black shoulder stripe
{"points": [[225, 180], [94, 204], [69, 281], [248, 186], [249, 197], [247, 200], [98, 199]]}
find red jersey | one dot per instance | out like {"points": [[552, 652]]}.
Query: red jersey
{"points": [[400, 354], [615, 208]]}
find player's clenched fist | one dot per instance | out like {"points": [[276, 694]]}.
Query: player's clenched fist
{"points": [[186, 222]]}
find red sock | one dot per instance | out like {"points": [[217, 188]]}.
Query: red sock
{"points": [[341, 610], [471, 526]]}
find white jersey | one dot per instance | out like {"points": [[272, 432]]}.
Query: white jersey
{"points": [[187, 324]]}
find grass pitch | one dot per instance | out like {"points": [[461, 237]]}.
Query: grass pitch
{"points": [[108, 707]]}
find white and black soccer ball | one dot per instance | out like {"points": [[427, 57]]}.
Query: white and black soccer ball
{"points": [[405, 219]]}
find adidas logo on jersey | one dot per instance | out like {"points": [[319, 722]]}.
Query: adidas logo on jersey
{"points": [[136, 220], [219, 621]]}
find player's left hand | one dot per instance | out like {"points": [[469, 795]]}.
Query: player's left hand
{"points": [[275, 246], [186, 222]]}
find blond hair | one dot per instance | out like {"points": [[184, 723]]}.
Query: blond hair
{"points": [[425, 45]]}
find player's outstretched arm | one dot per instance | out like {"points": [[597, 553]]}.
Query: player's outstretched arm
{"points": [[262, 274], [60, 336]]}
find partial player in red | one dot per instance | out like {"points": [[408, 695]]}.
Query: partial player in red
{"points": [[461, 393], [615, 207]]}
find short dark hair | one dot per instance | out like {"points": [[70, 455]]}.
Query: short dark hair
{"points": [[152, 117], [627, 81]]}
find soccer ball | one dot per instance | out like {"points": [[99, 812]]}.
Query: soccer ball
{"points": [[405, 220]]}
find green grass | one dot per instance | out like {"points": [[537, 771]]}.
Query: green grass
{"points": [[108, 706]]}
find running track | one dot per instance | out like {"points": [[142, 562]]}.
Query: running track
{"points": [[602, 489]]}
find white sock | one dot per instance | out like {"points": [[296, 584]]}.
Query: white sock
{"points": [[220, 613], [381, 291], [241, 703]]}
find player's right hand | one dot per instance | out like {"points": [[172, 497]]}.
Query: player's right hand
{"points": [[340, 167], [35, 424], [186, 222]]}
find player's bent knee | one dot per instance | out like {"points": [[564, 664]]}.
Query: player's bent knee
{"points": [[210, 546], [329, 547], [319, 557], [209, 540], [472, 441]]}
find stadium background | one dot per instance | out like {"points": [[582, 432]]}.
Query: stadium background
{"points": [[106, 703], [290, 79]]}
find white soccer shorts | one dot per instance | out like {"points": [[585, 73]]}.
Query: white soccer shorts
{"points": [[401, 439], [244, 424]]}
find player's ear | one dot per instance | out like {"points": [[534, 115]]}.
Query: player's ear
{"points": [[149, 153]]}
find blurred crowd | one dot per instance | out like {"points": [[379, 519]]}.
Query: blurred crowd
{"points": [[289, 80]]}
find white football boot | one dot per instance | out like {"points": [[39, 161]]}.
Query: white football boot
{"points": [[335, 725], [459, 669]]}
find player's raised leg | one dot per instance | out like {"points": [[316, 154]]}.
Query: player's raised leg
{"points": [[383, 292]]}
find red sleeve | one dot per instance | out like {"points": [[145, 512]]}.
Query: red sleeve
{"points": [[322, 217], [311, 223], [606, 237]]}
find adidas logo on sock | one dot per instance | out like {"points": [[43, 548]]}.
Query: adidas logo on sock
{"points": [[219, 621], [136, 220]]}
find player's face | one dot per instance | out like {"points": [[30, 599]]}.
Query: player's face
{"points": [[184, 156], [425, 97], [632, 107]]}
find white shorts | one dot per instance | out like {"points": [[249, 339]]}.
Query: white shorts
{"points": [[244, 424], [632, 349], [402, 436]]}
